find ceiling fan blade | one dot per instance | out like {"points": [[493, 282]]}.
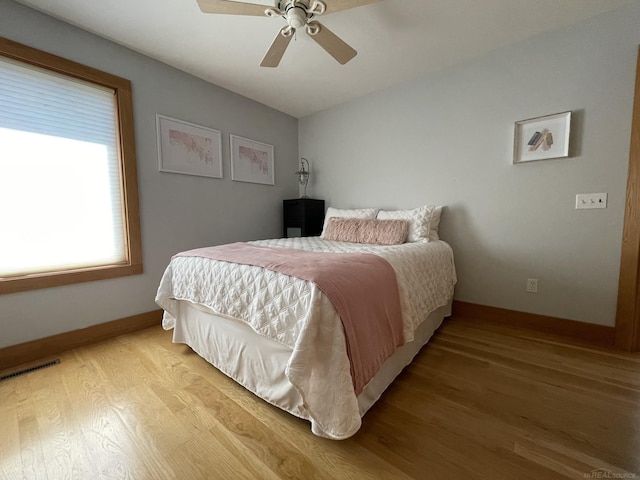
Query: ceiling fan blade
{"points": [[338, 5], [231, 8], [334, 45], [277, 49]]}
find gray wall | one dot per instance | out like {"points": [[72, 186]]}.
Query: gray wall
{"points": [[448, 139], [177, 212]]}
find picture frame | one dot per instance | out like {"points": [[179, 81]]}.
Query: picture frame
{"points": [[251, 161], [542, 138], [187, 148]]}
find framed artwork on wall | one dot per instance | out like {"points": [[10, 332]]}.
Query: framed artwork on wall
{"points": [[188, 148], [542, 138], [251, 161]]}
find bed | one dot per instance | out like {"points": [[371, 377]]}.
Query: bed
{"points": [[281, 337]]}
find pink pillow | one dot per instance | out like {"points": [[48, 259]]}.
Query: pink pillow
{"points": [[356, 230]]}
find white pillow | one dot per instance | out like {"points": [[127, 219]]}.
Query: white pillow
{"points": [[366, 213], [434, 224], [419, 221]]}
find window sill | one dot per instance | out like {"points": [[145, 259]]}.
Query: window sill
{"points": [[56, 279]]}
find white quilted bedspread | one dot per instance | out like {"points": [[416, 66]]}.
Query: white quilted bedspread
{"points": [[295, 313]]}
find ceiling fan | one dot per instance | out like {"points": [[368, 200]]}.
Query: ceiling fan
{"points": [[297, 14]]}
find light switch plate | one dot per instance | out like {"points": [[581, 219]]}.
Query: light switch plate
{"points": [[591, 200]]}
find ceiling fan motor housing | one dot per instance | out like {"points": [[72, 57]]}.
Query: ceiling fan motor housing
{"points": [[296, 17], [296, 12]]}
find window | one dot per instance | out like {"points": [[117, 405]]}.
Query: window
{"points": [[68, 187]]}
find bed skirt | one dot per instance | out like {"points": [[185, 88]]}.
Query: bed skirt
{"points": [[259, 363]]}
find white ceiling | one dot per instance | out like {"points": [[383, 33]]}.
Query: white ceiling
{"points": [[396, 40]]}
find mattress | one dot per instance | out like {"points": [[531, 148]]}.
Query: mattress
{"points": [[294, 315]]}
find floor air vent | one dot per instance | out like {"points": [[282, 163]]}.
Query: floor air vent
{"points": [[29, 370]]}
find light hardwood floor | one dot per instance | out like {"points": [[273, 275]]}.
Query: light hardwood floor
{"points": [[478, 402]]}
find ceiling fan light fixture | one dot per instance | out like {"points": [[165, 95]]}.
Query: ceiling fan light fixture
{"points": [[296, 17]]}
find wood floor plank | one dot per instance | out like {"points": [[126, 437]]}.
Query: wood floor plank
{"points": [[448, 447], [498, 437], [31, 448], [566, 461], [204, 457], [478, 402], [63, 445], [112, 447], [10, 458], [537, 407], [607, 369]]}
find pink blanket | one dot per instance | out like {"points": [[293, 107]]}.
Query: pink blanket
{"points": [[362, 288]]}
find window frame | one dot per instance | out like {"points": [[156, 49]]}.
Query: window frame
{"points": [[128, 173]]}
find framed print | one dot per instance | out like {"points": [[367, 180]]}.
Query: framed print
{"points": [[542, 138], [251, 161], [188, 148]]}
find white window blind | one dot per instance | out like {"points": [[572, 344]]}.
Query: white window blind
{"points": [[60, 182]]}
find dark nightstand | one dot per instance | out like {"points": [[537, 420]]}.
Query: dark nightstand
{"points": [[303, 217]]}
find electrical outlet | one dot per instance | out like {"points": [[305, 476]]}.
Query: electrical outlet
{"points": [[532, 285]]}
